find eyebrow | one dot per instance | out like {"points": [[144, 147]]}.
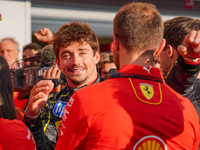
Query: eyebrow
{"points": [[66, 51], [83, 49], [79, 49]]}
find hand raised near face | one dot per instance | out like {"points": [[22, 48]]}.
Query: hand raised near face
{"points": [[44, 35], [190, 47], [38, 96], [52, 73]]}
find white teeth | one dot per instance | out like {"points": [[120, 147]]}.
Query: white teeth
{"points": [[77, 70]]}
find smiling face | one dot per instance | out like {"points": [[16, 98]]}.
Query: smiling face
{"points": [[78, 63]]}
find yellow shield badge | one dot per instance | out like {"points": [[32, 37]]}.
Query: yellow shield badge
{"points": [[147, 90]]}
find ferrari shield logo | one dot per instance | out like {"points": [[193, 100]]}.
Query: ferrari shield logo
{"points": [[147, 90]]}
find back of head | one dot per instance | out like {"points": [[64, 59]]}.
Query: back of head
{"points": [[139, 25], [7, 109], [176, 29], [74, 32]]}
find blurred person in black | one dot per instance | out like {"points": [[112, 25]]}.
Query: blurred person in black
{"points": [[180, 71]]}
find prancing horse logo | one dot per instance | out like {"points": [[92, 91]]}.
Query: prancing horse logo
{"points": [[147, 90]]}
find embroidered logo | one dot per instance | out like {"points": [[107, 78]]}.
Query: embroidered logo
{"points": [[148, 70], [59, 108], [150, 143], [147, 90]]}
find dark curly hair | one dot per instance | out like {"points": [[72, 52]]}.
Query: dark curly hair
{"points": [[74, 32]]}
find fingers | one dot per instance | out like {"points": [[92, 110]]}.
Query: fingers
{"points": [[191, 45], [44, 86], [44, 35], [38, 96], [182, 50], [43, 31], [52, 73], [37, 36], [35, 103]]}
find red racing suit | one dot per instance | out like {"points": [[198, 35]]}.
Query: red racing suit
{"points": [[133, 111], [15, 135]]}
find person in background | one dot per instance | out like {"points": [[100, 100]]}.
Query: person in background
{"points": [[137, 109], [76, 48], [176, 67], [9, 49], [106, 63], [30, 50], [11, 129]]}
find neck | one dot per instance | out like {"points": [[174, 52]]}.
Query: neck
{"points": [[136, 58], [74, 85]]}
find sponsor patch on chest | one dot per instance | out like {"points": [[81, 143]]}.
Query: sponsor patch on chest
{"points": [[59, 108]]}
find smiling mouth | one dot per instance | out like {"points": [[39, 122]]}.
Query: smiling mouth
{"points": [[77, 71]]}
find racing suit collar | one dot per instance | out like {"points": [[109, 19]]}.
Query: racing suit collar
{"points": [[97, 80]]}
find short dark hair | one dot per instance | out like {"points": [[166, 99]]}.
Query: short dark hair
{"points": [[33, 45], [139, 25], [74, 32], [176, 29]]}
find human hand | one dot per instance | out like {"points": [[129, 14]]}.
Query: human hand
{"points": [[38, 96], [44, 35], [52, 73], [190, 47]]}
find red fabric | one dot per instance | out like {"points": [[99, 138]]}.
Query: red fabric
{"points": [[14, 135], [191, 62], [19, 103], [114, 115]]}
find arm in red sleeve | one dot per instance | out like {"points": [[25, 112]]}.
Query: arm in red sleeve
{"points": [[73, 129], [15, 135]]}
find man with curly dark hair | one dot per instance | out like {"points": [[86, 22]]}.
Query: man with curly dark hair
{"points": [[76, 48]]}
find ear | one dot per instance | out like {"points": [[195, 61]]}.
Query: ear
{"points": [[58, 63], [171, 51], [160, 48], [96, 57], [115, 42]]}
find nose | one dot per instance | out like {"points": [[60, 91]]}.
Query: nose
{"points": [[76, 60]]}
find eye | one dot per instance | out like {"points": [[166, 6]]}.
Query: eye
{"points": [[83, 52], [66, 56]]}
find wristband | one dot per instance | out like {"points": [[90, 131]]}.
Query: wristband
{"points": [[32, 117], [192, 61]]}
